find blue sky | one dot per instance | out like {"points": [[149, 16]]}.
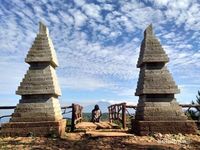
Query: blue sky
{"points": [[97, 44]]}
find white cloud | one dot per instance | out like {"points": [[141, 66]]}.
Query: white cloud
{"points": [[108, 7], [175, 4], [11, 74], [79, 17], [79, 2], [100, 50], [147, 15], [184, 63], [92, 10], [170, 35], [97, 59], [67, 19], [188, 93], [81, 82], [127, 101]]}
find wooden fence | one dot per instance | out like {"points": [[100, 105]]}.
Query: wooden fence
{"points": [[116, 112], [6, 108], [75, 109], [120, 112], [77, 115]]}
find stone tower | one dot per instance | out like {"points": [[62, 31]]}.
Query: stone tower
{"points": [[38, 111], [157, 109]]}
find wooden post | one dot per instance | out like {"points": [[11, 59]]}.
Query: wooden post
{"points": [[115, 111], [73, 118], [118, 111], [110, 114], [81, 113], [124, 115]]}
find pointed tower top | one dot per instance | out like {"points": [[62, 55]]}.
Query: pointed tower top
{"points": [[43, 29], [149, 31], [151, 50], [42, 49]]}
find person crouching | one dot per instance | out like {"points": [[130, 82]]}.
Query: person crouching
{"points": [[96, 114]]}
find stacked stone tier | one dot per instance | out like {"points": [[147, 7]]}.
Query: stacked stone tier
{"points": [[39, 80], [163, 111], [164, 127], [49, 110], [151, 51], [156, 81], [42, 50]]}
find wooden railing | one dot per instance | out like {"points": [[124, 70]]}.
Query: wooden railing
{"points": [[189, 106], [116, 112], [120, 112], [76, 111], [77, 114]]}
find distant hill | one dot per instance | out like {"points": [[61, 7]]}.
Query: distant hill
{"points": [[102, 105]]}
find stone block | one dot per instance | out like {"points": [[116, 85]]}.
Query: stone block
{"points": [[164, 127], [31, 85], [42, 128]]}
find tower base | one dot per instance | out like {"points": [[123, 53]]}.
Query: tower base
{"points": [[164, 127], [39, 129]]}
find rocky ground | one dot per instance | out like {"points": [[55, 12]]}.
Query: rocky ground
{"points": [[82, 141]]}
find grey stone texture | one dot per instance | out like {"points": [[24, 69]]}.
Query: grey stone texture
{"points": [[154, 77], [39, 79], [151, 49], [39, 110], [42, 49], [157, 109]]}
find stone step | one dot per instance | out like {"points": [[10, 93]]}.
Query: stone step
{"points": [[90, 126], [107, 125], [113, 130], [86, 126], [107, 134]]}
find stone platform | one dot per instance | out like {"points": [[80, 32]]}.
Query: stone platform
{"points": [[164, 127], [42, 128], [108, 134], [90, 126]]}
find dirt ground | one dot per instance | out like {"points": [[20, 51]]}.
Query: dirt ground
{"points": [[82, 141]]}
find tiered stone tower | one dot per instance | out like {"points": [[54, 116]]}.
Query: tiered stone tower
{"points": [[38, 111], [157, 109]]}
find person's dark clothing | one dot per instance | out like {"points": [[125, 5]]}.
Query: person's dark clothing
{"points": [[96, 114]]}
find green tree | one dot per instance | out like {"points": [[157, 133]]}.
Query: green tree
{"points": [[195, 113]]}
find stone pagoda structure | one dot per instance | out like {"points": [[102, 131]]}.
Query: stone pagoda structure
{"points": [[38, 111], [157, 109]]}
